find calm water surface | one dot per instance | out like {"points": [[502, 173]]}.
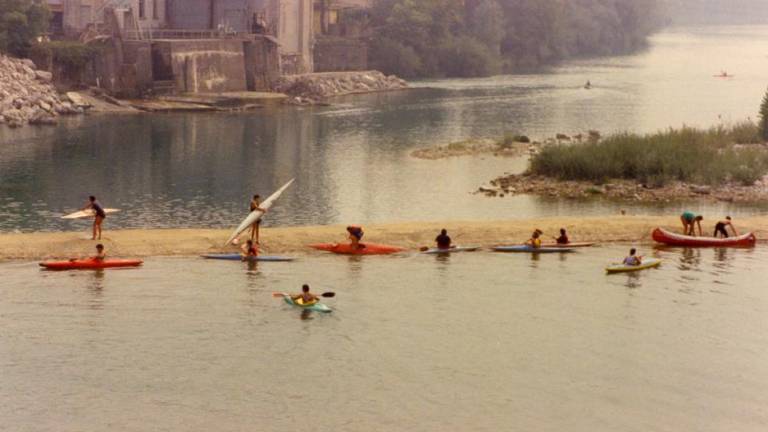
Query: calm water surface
{"points": [[352, 160], [479, 341]]}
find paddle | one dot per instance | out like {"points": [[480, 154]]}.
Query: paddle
{"points": [[325, 294]]}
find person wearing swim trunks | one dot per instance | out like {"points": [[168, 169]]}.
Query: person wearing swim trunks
{"points": [[720, 228], [99, 215], [355, 235], [443, 240], [633, 260], [563, 239], [255, 202], [250, 251], [689, 221]]}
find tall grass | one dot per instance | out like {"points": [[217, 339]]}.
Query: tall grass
{"points": [[687, 154]]}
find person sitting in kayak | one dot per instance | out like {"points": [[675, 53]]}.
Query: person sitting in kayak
{"points": [[100, 255], [98, 217], [535, 240], [689, 221], [250, 251], [563, 239], [720, 228], [306, 297], [443, 240], [355, 235], [633, 260], [255, 203]]}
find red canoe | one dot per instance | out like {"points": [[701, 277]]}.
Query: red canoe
{"points": [[672, 239], [367, 249], [89, 264]]}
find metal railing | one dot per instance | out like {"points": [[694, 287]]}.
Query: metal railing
{"points": [[149, 34]]}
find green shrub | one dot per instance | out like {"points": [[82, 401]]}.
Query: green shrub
{"points": [[21, 21], [392, 57], [467, 57]]}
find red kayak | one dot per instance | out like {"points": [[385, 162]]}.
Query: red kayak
{"points": [[672, 239], [89, 264], [365, 249]]}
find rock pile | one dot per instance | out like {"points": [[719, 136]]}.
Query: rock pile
{"points": [[28, 96], [309, 88]]}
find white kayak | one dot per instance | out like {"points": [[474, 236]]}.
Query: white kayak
{"points": [[257, 214], [88, 213], [456, 249]]}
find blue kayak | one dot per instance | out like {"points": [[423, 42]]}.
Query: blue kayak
{"points": [[238, 257], [531, 249]]}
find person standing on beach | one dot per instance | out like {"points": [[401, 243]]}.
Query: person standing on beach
{"points": [[720, 228], [98, 217], [255, 202], [689, 221]]}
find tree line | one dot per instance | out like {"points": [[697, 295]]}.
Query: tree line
{"points": [[468, 38]]}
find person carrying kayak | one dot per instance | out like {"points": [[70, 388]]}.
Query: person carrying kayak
{"points": [[355, 235], [689, 220], [255, 202], [535, 240], [633, 260], [720, 228], [306, 297], [443, 240], [563, 239], [250, 251], [98, 217]]}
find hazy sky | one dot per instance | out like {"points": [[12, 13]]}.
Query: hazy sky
{"points": [[719, 11]]}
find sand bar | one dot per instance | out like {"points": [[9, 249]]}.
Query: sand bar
{"points": [[294, 240]]}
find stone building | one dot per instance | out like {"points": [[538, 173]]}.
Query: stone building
{"points": [[78, 16], [341, 35]]}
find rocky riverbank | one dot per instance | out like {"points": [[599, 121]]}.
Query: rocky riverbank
{"points": [[27, 95], [474, 147], [510, 185], [317, 87]]}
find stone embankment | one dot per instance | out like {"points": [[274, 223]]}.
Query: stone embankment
{"points": [[316, 87], [27, 95]]}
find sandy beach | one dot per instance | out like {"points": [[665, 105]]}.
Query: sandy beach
{"points": [[294, 240]]}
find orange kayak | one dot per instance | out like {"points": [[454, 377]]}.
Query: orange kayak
{"points": [[661, 235], [89, 264], [364, 249]]}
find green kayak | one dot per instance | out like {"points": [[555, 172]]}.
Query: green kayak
{"points": [[314, 306]]}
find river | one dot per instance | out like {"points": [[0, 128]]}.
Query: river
{"points": [[352, 160]]}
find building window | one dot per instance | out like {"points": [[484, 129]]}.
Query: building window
{"points": [[155, 14], [142, 9]]}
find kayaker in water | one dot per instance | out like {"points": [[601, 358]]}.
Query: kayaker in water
{"points": [[563, 239], [305, 296], [535, 240], [100, 255], [689, 220], [443, 240], [255, 202], [99, 216], [355, 235], [633, 260], [249, 250], [720, 228]]}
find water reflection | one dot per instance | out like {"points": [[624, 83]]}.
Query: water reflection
{"points": [[96, 289]]}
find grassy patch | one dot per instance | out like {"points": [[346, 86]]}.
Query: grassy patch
{"points": [[687, 154]]}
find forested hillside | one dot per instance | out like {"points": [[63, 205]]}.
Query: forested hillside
{"points": [[464, 38]]}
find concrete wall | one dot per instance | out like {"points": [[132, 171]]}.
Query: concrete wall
{"points": [[262, 63], [235, 15], [79, 14], [204, 66], [340, 54], [295, 34]]}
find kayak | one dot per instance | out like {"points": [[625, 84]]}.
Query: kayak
{"points": [[569, 245], [623, 268], [314, 306], [257, 214], [531, 249], [669, 238], [89, 264], [438, 251], [88, 213], [238, 257], [366, 249]]}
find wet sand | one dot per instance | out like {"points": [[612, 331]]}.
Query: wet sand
{"points": [[294, 240]]}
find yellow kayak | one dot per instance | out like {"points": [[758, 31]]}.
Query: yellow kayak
{"points": [[623, 268]]}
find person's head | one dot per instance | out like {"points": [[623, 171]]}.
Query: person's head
{"points": [[632, 251], [99, 247], [728, 218], [562, 231], [536, 234], [92, 198], [305, 288], [256, 197], [699, 218], [538, 231], [444, 231]]}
